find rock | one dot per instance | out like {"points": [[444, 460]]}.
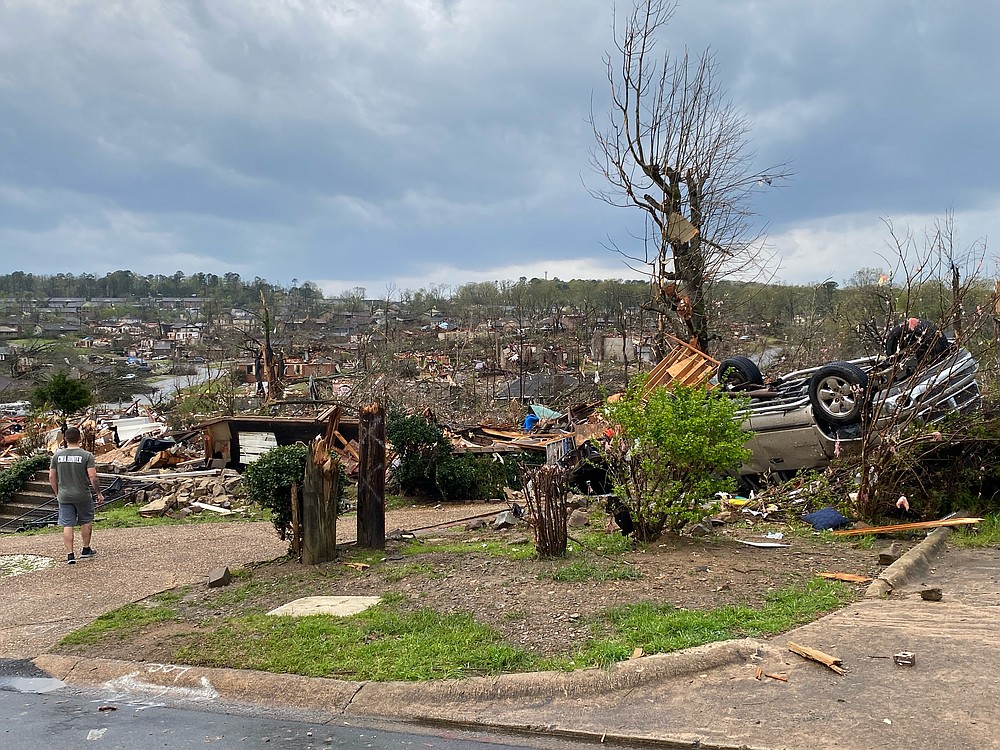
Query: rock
{"points": [[702, 528], [505, 520], [578, 519], [889, 556], [475, 524], [156, 507], [576, 501], [219, 577], [518, 540], [931, 595]]}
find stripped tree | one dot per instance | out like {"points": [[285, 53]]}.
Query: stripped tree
{"points": [[675, 147]]}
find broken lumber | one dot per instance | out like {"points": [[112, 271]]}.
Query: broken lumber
{"points": [[818, 656], [907, 526], [214, 508], [846, 577]]}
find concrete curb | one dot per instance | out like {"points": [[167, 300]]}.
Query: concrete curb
{"points": [[439, 701], [907, 567]]}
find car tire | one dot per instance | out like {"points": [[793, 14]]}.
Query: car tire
{"points": [[738, 372], [837, 393]]}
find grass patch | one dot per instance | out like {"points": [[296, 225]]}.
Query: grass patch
{"points": [[124, 622], [392, 642], [598, 541], [396, 573], [662, 628], [986, 533], [382, 643], [585, 570], [525, 551]]}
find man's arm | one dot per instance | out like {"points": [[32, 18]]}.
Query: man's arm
{"points": [[54, 481], [95, 482]]}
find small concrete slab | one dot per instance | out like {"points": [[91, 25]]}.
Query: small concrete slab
{"points": [[342, 606]]}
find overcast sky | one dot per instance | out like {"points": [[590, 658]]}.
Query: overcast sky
{"points": [[418, 142]]}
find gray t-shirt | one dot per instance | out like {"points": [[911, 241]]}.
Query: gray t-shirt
{"points": [[71, 466]]}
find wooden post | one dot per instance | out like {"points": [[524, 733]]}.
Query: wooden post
{"points": [[296, 523], [371, 478], [319, 505]]}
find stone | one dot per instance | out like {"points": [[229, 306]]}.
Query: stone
{"points": [[702, 528], [342, 606], [890, 555], [219, 577], [476, 524], [578, 519], [505, 520], [931, 595], [576, 501], [156, 507]]}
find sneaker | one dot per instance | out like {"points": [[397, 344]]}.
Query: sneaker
{"points": [[87, 552], [71, 559]]}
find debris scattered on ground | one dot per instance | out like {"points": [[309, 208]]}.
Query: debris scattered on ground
{"points": [[826, 519], [846, 577], [908, 526], [889, 556], [818, 656], [905, 658], [931, 595], [219, 577]]}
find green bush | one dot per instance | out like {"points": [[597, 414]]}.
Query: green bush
{"points": [[269, 479], [672, 452], [14, 477], [427, 467]]}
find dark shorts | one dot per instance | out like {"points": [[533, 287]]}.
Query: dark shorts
{"points": [[76, 514]]}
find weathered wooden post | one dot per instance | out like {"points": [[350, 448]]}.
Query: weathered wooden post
{"points": [[319, 505], [371, 478]]}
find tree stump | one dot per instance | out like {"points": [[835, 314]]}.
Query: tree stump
{"points": [[319, 506], [371, 478]]}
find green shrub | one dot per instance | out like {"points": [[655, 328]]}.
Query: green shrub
{"points": [[428, 468], [420, 447], [14, 477], [269, 479], [672, 452]]}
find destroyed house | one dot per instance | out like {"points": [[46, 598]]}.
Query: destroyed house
{"points": [[241, 440]]}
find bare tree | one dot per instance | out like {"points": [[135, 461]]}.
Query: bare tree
{"points": [[674, 146]]}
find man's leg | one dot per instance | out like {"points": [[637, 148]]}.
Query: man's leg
{"points": [[68, 538], [85, 531]]}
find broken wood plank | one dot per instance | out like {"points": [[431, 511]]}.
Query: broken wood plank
{"points": [[779, 677], [214, 508], [846, 577], [758, 673], [907, 526], [818, 656]]}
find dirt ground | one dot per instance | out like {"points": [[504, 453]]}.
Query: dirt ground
{"points": [[519, 598]]}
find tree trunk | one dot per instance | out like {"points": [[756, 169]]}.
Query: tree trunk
{"points": [[319, 506], [371, 478]]}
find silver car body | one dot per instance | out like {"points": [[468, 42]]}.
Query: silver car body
{"points": [[789, 434]]}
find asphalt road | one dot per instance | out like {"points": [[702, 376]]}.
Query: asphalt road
{"points": [[72, 719]]}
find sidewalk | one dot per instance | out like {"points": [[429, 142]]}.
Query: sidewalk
{"points": [[706, 697]]}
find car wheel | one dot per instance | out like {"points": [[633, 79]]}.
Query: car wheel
{"points": [[737, 372], [837, 393]]}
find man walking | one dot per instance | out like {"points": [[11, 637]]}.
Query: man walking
{"points": [[72, 475]]}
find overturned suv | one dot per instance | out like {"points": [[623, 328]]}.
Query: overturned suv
{"points": [[804, 419]]}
